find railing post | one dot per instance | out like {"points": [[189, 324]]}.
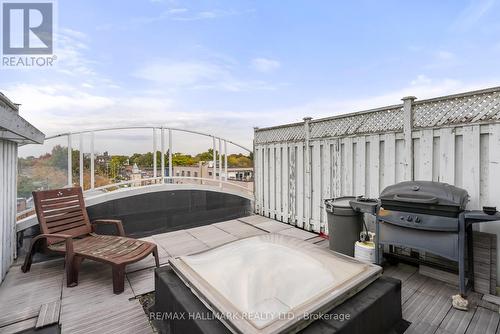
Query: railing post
{"points": [[307, 179], [154, 156], [220, 163], [70, 162], [407, 130], [225, 160], [92, 162], [256, 180], [81, 161], [162, 133], [170, 167], [214, 169]]}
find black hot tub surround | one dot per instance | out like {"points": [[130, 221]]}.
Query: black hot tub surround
{"points": [[376, 309]]}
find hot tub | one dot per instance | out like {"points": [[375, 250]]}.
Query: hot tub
{"points": [[271, 283]]}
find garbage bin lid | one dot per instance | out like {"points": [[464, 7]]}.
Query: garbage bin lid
{"points": [[342, 202]]}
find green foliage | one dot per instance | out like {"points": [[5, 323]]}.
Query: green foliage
{"points": [[179, 159]]}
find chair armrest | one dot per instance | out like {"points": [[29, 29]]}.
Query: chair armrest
{"points": [[116, 222], [66, 237]]}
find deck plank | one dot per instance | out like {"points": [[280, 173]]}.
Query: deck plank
{"points": [[142, 281], [49, 314], [484, 322], [457, 321], [22, 294], [149, 261], [433, 315], [211, 235], [272, 226], [18, 327], [298, 233], [239, 229], [178, 244], [92, 307], [255, 219]]}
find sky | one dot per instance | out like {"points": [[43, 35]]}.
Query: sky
{"points": [[223, 67]]}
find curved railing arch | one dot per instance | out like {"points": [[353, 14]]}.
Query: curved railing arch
{"points": [[219, 177], [149, 127]]}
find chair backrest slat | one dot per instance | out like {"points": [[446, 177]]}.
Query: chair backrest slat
{"points": [[62, 211]]}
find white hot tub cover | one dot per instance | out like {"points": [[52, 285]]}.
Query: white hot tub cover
{"points": [[272, 283]]}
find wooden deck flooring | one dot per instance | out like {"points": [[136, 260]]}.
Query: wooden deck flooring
{"points": [[91, 307]]}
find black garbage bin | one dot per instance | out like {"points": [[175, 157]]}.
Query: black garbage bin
{"points": [[344, 224]]}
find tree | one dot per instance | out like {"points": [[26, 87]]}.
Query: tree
{"points": [[205, 156], [179, 159]]}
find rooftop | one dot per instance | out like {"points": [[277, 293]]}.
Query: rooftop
{"points": [[41, 295]]}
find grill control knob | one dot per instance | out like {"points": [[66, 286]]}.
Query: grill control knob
{"points": [[402, 218], [409, 218], [417, 220]]}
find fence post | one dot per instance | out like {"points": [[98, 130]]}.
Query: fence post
{"points": [[407, 130], [307, 179]]}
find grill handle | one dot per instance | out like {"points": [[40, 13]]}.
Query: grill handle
{"points": [[428, 200]]}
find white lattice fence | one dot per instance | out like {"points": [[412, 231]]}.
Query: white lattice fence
{"points": [[454, 139]]}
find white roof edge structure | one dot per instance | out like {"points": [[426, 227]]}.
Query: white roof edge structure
{"points": [[96, 197], [15, 128]]}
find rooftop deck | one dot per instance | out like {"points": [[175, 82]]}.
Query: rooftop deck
{"points": [[41, 296]]}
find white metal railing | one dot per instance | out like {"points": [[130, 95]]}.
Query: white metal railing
{"points": [[165, 147], [217, 158]]}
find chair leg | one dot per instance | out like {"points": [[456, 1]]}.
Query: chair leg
{"points": [[29, 257], [118, 278], [77, 263], [71, 281], [155, 254]]}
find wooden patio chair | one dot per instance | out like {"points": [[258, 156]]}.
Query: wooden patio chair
{"points": [[66, 229]]}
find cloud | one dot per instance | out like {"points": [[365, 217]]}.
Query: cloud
{"points": [[185, 14], [473, 13], [444, 55], [63, 107], [422, 87], [198, 75], [265, 65], [179, 73]]}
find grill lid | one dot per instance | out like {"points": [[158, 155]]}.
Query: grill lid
{"points": [[425, 193]]}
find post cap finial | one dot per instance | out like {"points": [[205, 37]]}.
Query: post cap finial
{"points": [[409, 98], [307, 118]]}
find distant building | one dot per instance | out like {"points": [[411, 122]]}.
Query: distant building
{"points": [[136, 176], [242, 176]]}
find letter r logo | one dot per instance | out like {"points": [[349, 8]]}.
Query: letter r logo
{"points": [[27, 28]]}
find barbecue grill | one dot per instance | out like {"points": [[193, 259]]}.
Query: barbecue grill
{"points": [[428, 216]]}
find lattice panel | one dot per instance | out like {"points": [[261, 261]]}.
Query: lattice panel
{"points": [[457, 110], [465, 108], [285, 133], [374, 122]]}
